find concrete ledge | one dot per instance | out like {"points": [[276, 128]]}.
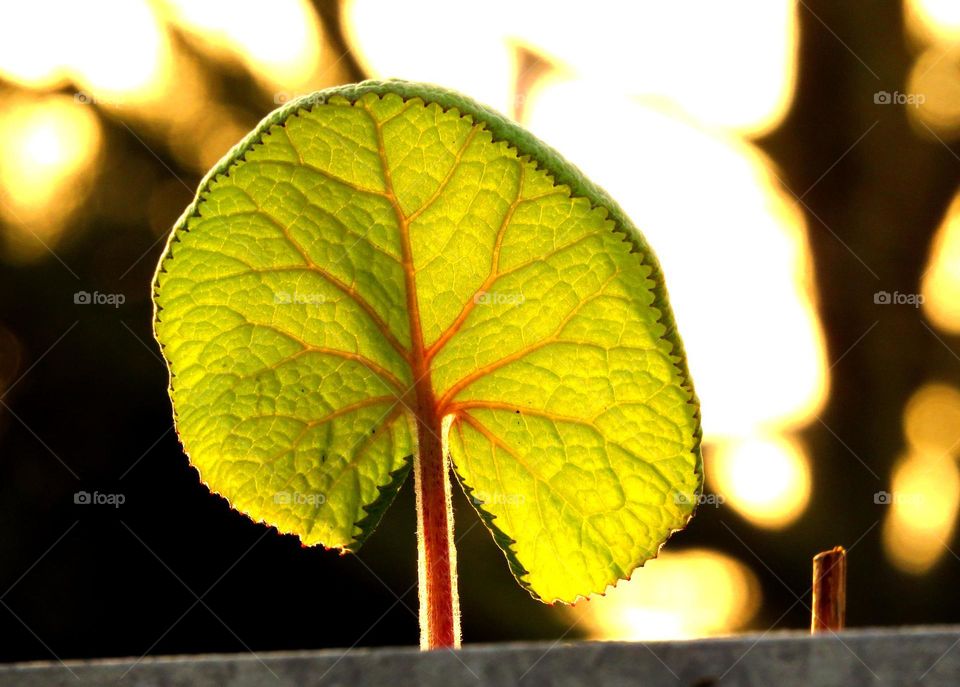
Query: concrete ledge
{"points": [[901, 656]]}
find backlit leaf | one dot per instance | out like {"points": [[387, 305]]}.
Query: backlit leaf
{"points": [[537, 314]]}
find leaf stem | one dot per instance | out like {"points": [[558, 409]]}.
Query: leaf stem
{"points": [[436, 554], [437, 557]]}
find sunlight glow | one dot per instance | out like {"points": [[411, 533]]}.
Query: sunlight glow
{"points": [[938, 20], [923, 501], [44, 146], [425, 40], [46, 43], [729, 65], [48, 150], [925, 490], [733, 67], [128, 64], [931, 420], [280, 42], [941, 281], [729, 238], [765, 479], [31, 46], [934, 85], [679, 595]]}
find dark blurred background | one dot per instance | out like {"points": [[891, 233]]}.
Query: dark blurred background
{"points": [[793, 164]]}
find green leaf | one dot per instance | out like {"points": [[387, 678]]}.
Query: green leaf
{"points": [[369, 231]]}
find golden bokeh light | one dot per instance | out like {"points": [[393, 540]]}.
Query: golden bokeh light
{"points": [[933, 94], [931, 420], [765, 479], [46, 43], [679, 595], [742, 79], [732, 242], [933, 20], [123, 66], [941, 281], [734, 67], [922, 501], [32, 46], [134, 74], [280, 43], [425, 40], [48, 151]]}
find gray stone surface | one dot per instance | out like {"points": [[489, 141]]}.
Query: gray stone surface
{"points": [[903, 656]]}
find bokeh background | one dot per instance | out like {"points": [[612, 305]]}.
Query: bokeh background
{"points": [[795, 164]]}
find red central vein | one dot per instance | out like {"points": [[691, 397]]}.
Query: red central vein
{"points": [[439, 606]]}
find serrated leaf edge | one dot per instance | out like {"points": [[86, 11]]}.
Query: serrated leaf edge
{"points": [[564, 175]]}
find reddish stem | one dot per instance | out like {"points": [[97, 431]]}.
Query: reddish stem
{"points": [[439, 602], [437, 560]]}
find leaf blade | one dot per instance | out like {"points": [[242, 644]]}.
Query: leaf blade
{"points": [[484, 219]]}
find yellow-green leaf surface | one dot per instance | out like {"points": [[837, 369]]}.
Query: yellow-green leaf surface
{"points": [[538, 316]]}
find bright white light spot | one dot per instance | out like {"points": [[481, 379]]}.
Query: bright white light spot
{"points": [[765, 479], [679, 595], [725, 65], [431, 41], [115, 51], [48, 150], [937, 20]]}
